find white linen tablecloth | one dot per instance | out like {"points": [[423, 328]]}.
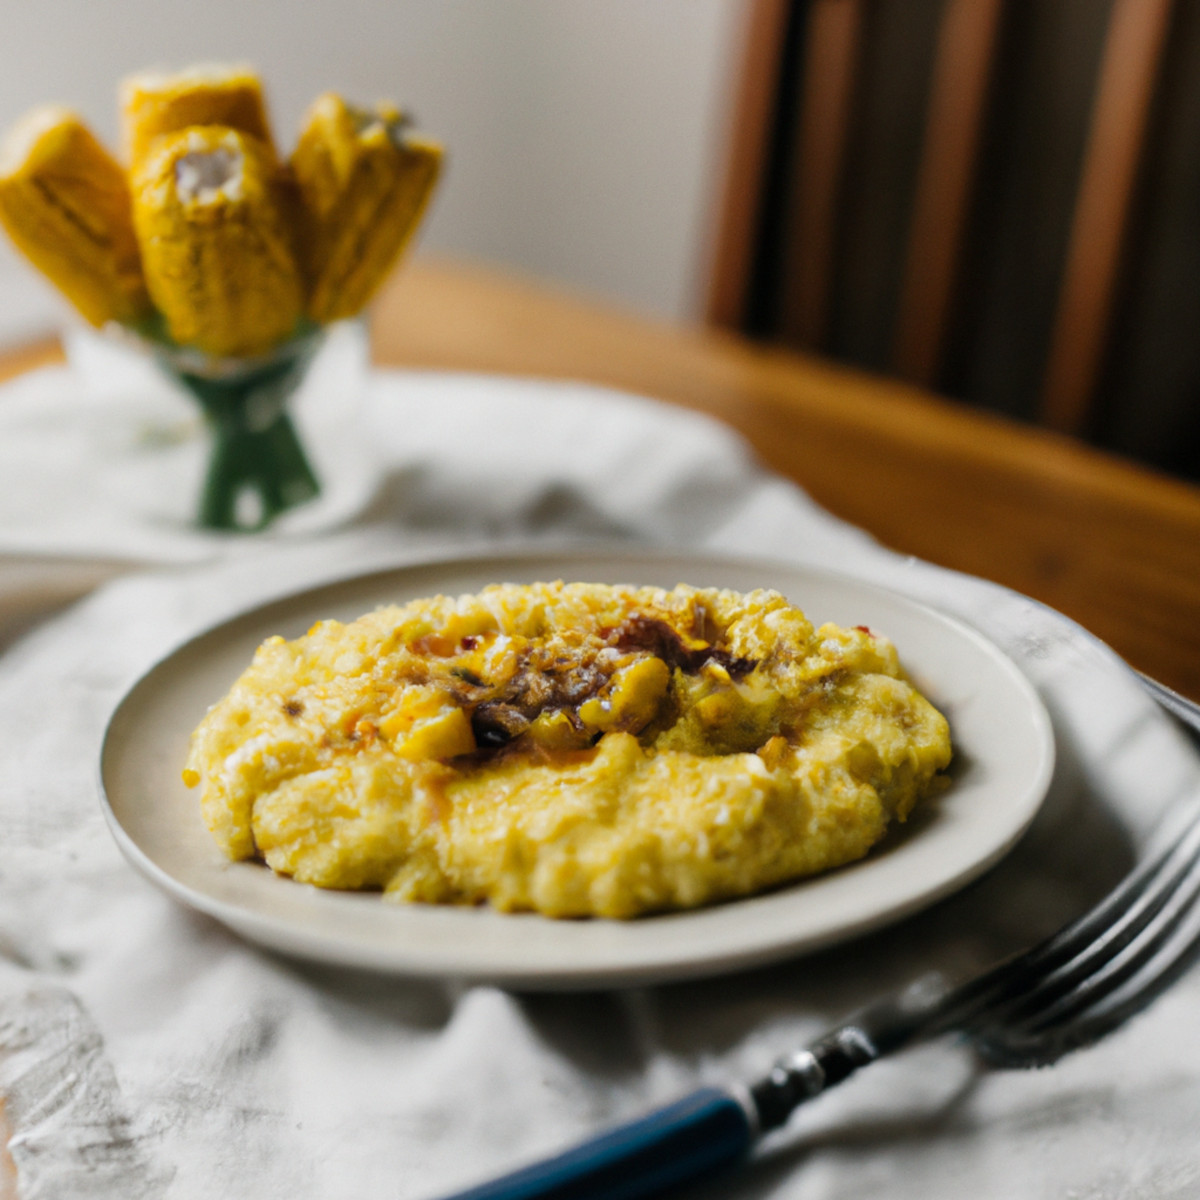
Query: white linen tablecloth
{"points": [[146, 1052]]}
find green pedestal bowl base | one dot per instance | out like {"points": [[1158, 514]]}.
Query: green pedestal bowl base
{"points": [[257, 467]]}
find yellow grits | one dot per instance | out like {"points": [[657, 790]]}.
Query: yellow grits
{"points": [[574, 749]]}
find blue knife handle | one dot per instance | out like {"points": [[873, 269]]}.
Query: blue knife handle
{"points": [[702, 1133]]}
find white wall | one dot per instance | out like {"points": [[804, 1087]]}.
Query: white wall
{"points": [[584, 135]]}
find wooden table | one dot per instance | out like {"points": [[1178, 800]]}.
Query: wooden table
{"points": [[1111, 544]]}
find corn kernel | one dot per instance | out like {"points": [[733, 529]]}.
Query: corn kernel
{"points": [[418, 704], [446, 735], [717, 709], [774, 751], [633, 698], [554, 730]]}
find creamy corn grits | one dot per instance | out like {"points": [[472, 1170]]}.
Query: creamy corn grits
{"points": [[574, 749]]}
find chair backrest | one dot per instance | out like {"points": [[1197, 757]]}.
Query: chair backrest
{"points": [[949, 190]]}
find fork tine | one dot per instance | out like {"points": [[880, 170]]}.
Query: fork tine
{"points": [[1175, 955], [1029, 1019], [1103, 1009], [1136, 899], [1100, 951], [1114, 960]]}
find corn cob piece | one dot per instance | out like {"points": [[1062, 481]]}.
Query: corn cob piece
{"points": [[216, 245], [153, 105], [65, 203], [364, 183]]}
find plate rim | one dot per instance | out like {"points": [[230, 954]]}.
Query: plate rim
{"points": [[280, 935]]}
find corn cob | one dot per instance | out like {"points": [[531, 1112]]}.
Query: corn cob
{"points": [[153, 105], [65, 203], [364, 183], [210, 217]]}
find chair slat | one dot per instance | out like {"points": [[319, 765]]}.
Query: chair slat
{"points": [[1125, 88], [1032, 339], [954, 128], [748, 142], [830, 69]]}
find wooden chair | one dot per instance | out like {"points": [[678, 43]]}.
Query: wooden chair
{"points": [[880, 205]]}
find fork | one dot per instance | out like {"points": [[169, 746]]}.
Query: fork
{"points": [[1063, 994]]}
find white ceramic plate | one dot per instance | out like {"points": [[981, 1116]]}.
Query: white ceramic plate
{"points": [[1004, 758]]}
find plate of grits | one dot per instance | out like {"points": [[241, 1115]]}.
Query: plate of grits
{"points": [[556, 770]]}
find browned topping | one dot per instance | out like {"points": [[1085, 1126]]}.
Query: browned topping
{"points": [[495, 724], [547, 680], [649, 633]]}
